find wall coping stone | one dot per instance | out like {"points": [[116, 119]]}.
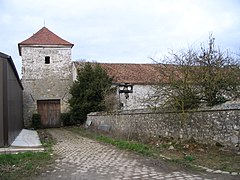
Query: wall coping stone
{"points": [[146, 111]]}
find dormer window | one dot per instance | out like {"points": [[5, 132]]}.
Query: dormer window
{"points": [[47, 59]]}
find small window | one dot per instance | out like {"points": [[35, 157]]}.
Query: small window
{"points": [[47, 60]]}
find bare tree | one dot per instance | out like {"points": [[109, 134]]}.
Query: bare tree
{"points": [[176, 86], [217, 74], [191, 77]]}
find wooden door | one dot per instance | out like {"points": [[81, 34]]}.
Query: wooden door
{"points": [[50, 112]]}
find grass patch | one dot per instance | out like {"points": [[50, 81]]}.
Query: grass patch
{"points": [[127, 145], [189, 158], [17, 166], [46, 140], [27, 164], [121, 144]]}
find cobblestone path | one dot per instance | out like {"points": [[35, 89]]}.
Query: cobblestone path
{"points": [[80, 158]]}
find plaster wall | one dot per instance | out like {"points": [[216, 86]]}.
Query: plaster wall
{"points": [[137, 99]]}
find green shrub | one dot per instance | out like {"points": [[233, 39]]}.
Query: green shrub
{"points": [[67, 119], [36, 121], [88, 91]]}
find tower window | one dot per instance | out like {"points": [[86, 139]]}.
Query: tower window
{"points": [[47, 59]]}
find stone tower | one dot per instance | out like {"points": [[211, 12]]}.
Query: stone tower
{"points": [[46, 76]]}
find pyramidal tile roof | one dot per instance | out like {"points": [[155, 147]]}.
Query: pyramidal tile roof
{"points": [[44, 37]]}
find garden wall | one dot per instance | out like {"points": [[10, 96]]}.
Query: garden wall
{"points": [[206, 126]]}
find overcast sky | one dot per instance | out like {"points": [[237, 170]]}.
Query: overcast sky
{"points": [[121, 31]]}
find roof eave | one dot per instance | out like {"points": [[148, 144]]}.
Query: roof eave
{"points": [[9, 58], [41, 45]]}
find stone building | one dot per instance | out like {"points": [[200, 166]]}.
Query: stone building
{"points": [[46, 76], [48, 73], [139, 79]]}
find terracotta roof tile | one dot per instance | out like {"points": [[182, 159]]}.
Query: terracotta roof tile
{"points": [[132, 73], [44, 37]]}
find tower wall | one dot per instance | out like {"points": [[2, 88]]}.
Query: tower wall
{"points": [[45, 81]]}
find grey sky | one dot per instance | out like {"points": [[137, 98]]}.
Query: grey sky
{"points": [[124, 31]]}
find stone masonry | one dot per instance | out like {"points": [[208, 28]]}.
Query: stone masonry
{"points": [[206, 126], [137, 99], [46, 71], [45, 81]]}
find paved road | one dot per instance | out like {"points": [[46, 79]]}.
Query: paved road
{"points": [[80, 158]]}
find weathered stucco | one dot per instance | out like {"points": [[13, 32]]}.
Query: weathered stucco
{"points": [[137, 99], [45, 81], [206, 127]]}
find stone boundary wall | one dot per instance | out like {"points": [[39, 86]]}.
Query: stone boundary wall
{"points": [[206, 126]]}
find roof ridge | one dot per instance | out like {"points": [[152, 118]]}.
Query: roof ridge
{"points": [[119, 63]]}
